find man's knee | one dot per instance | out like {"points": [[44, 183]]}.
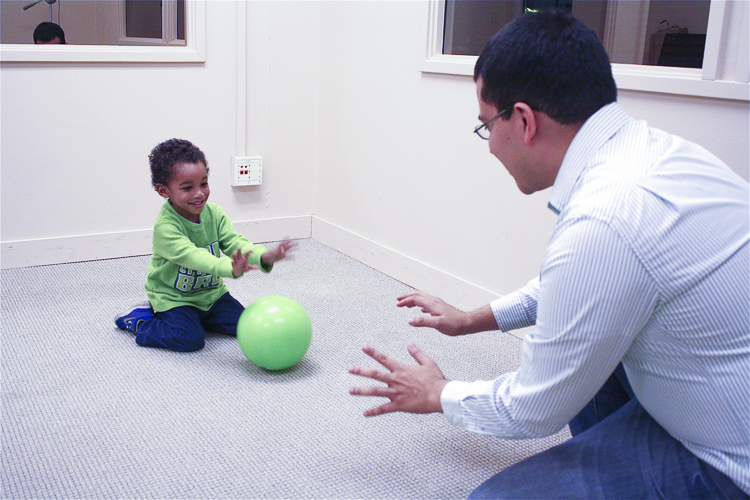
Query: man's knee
{"points": [[487, 492]]}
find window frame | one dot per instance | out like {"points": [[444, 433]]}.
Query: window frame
{"points": [[703, 82], [194, 49]]}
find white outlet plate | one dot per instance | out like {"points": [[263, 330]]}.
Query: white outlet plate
{"points": [[247, 170]]}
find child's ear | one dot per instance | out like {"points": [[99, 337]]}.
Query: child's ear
{"points": [[162, 190]]}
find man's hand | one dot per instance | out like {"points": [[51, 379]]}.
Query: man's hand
{"points": [[447, 319], [411, 388], [240, 264], [278, 253], [442, 317]]}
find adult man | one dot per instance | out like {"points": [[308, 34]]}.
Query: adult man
{"points": [[642, 340], [47, 33]]}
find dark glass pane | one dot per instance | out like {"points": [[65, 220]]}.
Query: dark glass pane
{"points": [[143, 18], [180, 19], [683, 50]]}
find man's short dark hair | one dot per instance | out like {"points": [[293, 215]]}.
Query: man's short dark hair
{"points": [[168, 154], [552, 62], [46, 31]]}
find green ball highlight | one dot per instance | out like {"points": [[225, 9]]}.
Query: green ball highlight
{"points": [[274, 332]]}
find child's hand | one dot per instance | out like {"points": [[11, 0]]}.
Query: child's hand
{"points": [[240, 264], [278, 253]]}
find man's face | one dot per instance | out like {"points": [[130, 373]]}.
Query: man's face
{"points": [[507, 144]]}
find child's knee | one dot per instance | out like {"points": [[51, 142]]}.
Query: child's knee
{"points": [[190, 344], [181, 336], [188, 338]]}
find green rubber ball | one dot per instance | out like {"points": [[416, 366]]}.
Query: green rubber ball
{"points": [[274, 332]]}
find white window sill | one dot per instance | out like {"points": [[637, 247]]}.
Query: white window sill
{"points": [[680, 81], [99, 53]]}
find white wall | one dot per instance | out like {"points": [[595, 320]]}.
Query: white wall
{"points": [[76, 138], [399, 164], [282, 93], [380, 156]]}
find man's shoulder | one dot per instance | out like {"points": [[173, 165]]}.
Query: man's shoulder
{"points": [[619, 168]]}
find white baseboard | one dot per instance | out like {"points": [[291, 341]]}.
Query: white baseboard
{"points": [[45, 251], [265, 230], [454, 290]]}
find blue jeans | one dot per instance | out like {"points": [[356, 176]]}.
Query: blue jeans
{"points": [[617, 452], [184, 328]]}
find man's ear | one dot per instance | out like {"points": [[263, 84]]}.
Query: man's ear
{"points": [[162, 190], [528, 120]]}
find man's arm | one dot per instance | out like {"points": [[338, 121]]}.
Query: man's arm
{"points": [[518, 309], [593, 303], [595, 298], [513, 311], [445, 318], [418, 389]]}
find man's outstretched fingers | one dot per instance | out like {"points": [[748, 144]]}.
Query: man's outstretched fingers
{"points": [[370, 373], [380, 410], [381, 358], [419, 356], [427, 321], [410, 388], [416, 299], [381, 392]]}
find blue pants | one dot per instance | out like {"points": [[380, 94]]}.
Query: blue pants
{"points": [[184, 328], [617, 451]]}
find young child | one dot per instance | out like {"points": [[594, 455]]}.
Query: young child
{"points": [[186, 294]]}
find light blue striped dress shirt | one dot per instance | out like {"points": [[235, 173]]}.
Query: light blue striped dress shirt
{"points": [[648, 265]]}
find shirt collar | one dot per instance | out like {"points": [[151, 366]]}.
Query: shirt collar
{"points": [[597, 130]]}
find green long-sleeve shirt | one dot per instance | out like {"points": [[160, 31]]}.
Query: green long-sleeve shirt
{"points": [[188, 266]]}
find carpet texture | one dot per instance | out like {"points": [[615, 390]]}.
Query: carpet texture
{"points": [[86, 413]]}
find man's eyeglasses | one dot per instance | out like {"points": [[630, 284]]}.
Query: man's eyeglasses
{"points": [[483, 130]]}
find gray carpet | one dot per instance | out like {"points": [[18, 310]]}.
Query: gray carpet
{"points": [[86, 413]]}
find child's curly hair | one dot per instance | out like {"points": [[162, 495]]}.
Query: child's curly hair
{"points": [[168, 154]]}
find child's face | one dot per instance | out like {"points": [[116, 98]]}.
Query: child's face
{"points": [[187, 189]]}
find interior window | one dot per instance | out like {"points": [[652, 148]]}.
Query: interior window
{"points": [[649, 32], [96, 22]]}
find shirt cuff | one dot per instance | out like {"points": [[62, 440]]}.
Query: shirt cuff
{"points": [[450, 400]]}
